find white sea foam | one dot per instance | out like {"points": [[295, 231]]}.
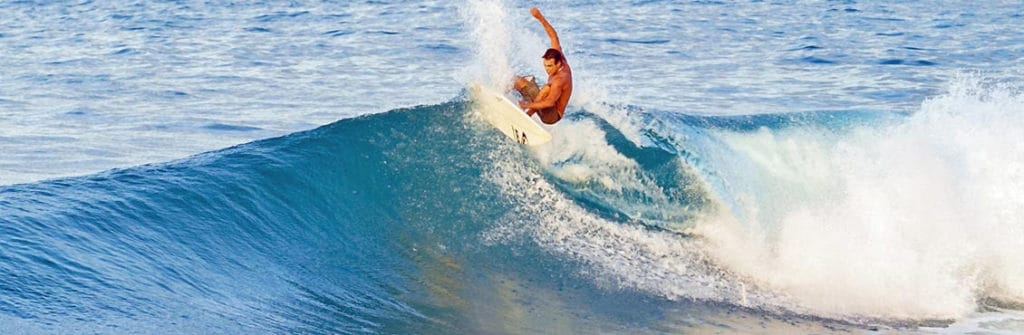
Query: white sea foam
{"points": [[917, 220], [617, 255], [580, 154]]}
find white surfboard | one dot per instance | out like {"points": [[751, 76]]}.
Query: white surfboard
{"points": [[508, 117]]}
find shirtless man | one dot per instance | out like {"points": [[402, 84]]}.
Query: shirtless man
{"points": [[549, 101]]}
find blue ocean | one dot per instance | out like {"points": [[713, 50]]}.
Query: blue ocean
{"points": [[293, 167]]}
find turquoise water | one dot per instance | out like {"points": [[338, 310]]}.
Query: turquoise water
{"points": [[774, 167]]}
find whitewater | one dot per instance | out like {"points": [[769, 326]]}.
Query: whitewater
{"points": [[761, 167]]}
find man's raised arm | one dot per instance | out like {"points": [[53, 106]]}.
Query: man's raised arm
{"points": [[547, 27]]}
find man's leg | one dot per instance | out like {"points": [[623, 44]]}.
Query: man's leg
{"points": [[527, 87]]}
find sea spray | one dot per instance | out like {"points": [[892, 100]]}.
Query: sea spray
{"points": [[486, 22], [920, 218]]}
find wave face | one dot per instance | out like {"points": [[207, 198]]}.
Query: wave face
{"points": [[426, 220]]}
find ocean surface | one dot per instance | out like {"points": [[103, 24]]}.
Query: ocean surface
{"points": [[285, 167]]}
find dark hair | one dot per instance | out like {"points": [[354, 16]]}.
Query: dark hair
{"points": [[553, 54]]}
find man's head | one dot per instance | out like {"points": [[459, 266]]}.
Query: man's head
{"points": [[552, 61]]}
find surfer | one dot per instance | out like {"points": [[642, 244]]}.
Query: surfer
{"points": [[549, 101]]}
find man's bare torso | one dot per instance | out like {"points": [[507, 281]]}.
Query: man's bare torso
{"points": [[561, 79]]}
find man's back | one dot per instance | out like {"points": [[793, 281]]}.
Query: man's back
{"points": [[563, 99]]}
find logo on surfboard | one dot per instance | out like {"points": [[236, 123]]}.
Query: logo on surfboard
{"points": [[507, 117], [519, 136]]}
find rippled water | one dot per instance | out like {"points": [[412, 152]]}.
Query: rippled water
{"points": [[95, 85]]}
